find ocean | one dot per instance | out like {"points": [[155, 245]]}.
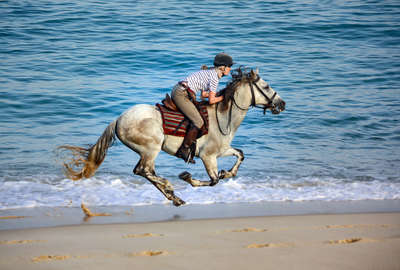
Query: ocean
{"points": [[69, 68]]}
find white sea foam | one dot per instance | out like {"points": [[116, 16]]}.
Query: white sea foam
{"points": [[109, 190]]}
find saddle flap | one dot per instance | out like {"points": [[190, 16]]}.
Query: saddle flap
{"points": [[169, 103]]}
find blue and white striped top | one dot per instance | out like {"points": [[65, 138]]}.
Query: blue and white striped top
{"points": [[206, 80]]}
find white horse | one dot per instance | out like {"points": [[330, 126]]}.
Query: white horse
{"points": [[140, 128]]}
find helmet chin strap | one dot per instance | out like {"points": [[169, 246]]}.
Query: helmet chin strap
{"points": [[223, 72]]}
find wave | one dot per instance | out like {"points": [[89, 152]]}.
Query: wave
{"points": [[107, 190]]}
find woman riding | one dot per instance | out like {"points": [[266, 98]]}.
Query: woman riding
{"points": [[184, 93]]}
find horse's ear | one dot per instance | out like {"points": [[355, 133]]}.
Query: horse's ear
{"points": [[254, 73]]}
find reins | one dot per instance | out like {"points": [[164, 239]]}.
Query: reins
{"points": [[228, 126]]}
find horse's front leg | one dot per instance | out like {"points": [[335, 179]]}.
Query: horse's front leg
{"points": [[233, 171], [187, 177], [210, 163]]}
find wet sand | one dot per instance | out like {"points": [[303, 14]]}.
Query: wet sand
{"points": [[335, 241]]}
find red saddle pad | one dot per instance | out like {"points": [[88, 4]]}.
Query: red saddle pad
{"points": [[174, 122]]}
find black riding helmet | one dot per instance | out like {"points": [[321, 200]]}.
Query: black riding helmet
{"points": [[223, 59]]}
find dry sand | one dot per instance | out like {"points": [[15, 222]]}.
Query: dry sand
{"points": [[354, 241]]}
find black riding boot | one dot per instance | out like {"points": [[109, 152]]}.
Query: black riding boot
{"points": [[185, 152]]}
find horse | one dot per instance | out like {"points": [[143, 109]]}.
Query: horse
{"points": [[140, 128]]}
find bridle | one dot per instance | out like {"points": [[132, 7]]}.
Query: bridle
{"points": [[252, 83], [253, 98]]}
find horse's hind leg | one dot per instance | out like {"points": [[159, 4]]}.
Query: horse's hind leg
{"points": [[145, 168], [140, 129], [165, 189]]}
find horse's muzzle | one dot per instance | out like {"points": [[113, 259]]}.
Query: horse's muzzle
{"points": [[278, 107]]}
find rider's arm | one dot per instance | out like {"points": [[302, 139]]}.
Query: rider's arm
{"points": [[204, 94], [212, 98]]}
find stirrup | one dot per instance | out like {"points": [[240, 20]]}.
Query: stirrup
{"points": [[185, 153]]}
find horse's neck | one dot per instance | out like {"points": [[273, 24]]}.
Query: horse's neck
{"points": [[232, 115], [238, 116]]}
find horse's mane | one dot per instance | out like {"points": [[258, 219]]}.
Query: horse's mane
{"points": [[239, 76]]}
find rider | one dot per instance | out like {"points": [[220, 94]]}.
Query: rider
{"points": [[204, 81]]}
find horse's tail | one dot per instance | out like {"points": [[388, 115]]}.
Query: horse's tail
{"points": [[84, 161]]}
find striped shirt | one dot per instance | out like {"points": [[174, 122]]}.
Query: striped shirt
{"points": [[206, 80]]}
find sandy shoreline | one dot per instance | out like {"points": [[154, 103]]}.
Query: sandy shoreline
{"points": [[336, 241], [25, 218]]}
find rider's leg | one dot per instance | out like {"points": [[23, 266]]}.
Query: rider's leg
{"points": [[181, 99], [184, 151]]}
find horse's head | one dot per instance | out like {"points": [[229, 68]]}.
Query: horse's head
{"points": [[249, 89], [263, 94]]}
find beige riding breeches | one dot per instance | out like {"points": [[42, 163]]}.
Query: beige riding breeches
{"points": [[181, 98]]}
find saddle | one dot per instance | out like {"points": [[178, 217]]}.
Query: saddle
{"points": [[175, 122], [169, 103]]}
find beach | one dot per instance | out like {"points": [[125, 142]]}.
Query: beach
{"points": [[316, 241]]}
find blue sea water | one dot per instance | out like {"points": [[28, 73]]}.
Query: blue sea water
{"points": [[69, 68]]}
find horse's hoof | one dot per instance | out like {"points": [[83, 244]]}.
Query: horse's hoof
{"points": [[185, 176], [214, 182], [221, 174], [178, 202]]}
